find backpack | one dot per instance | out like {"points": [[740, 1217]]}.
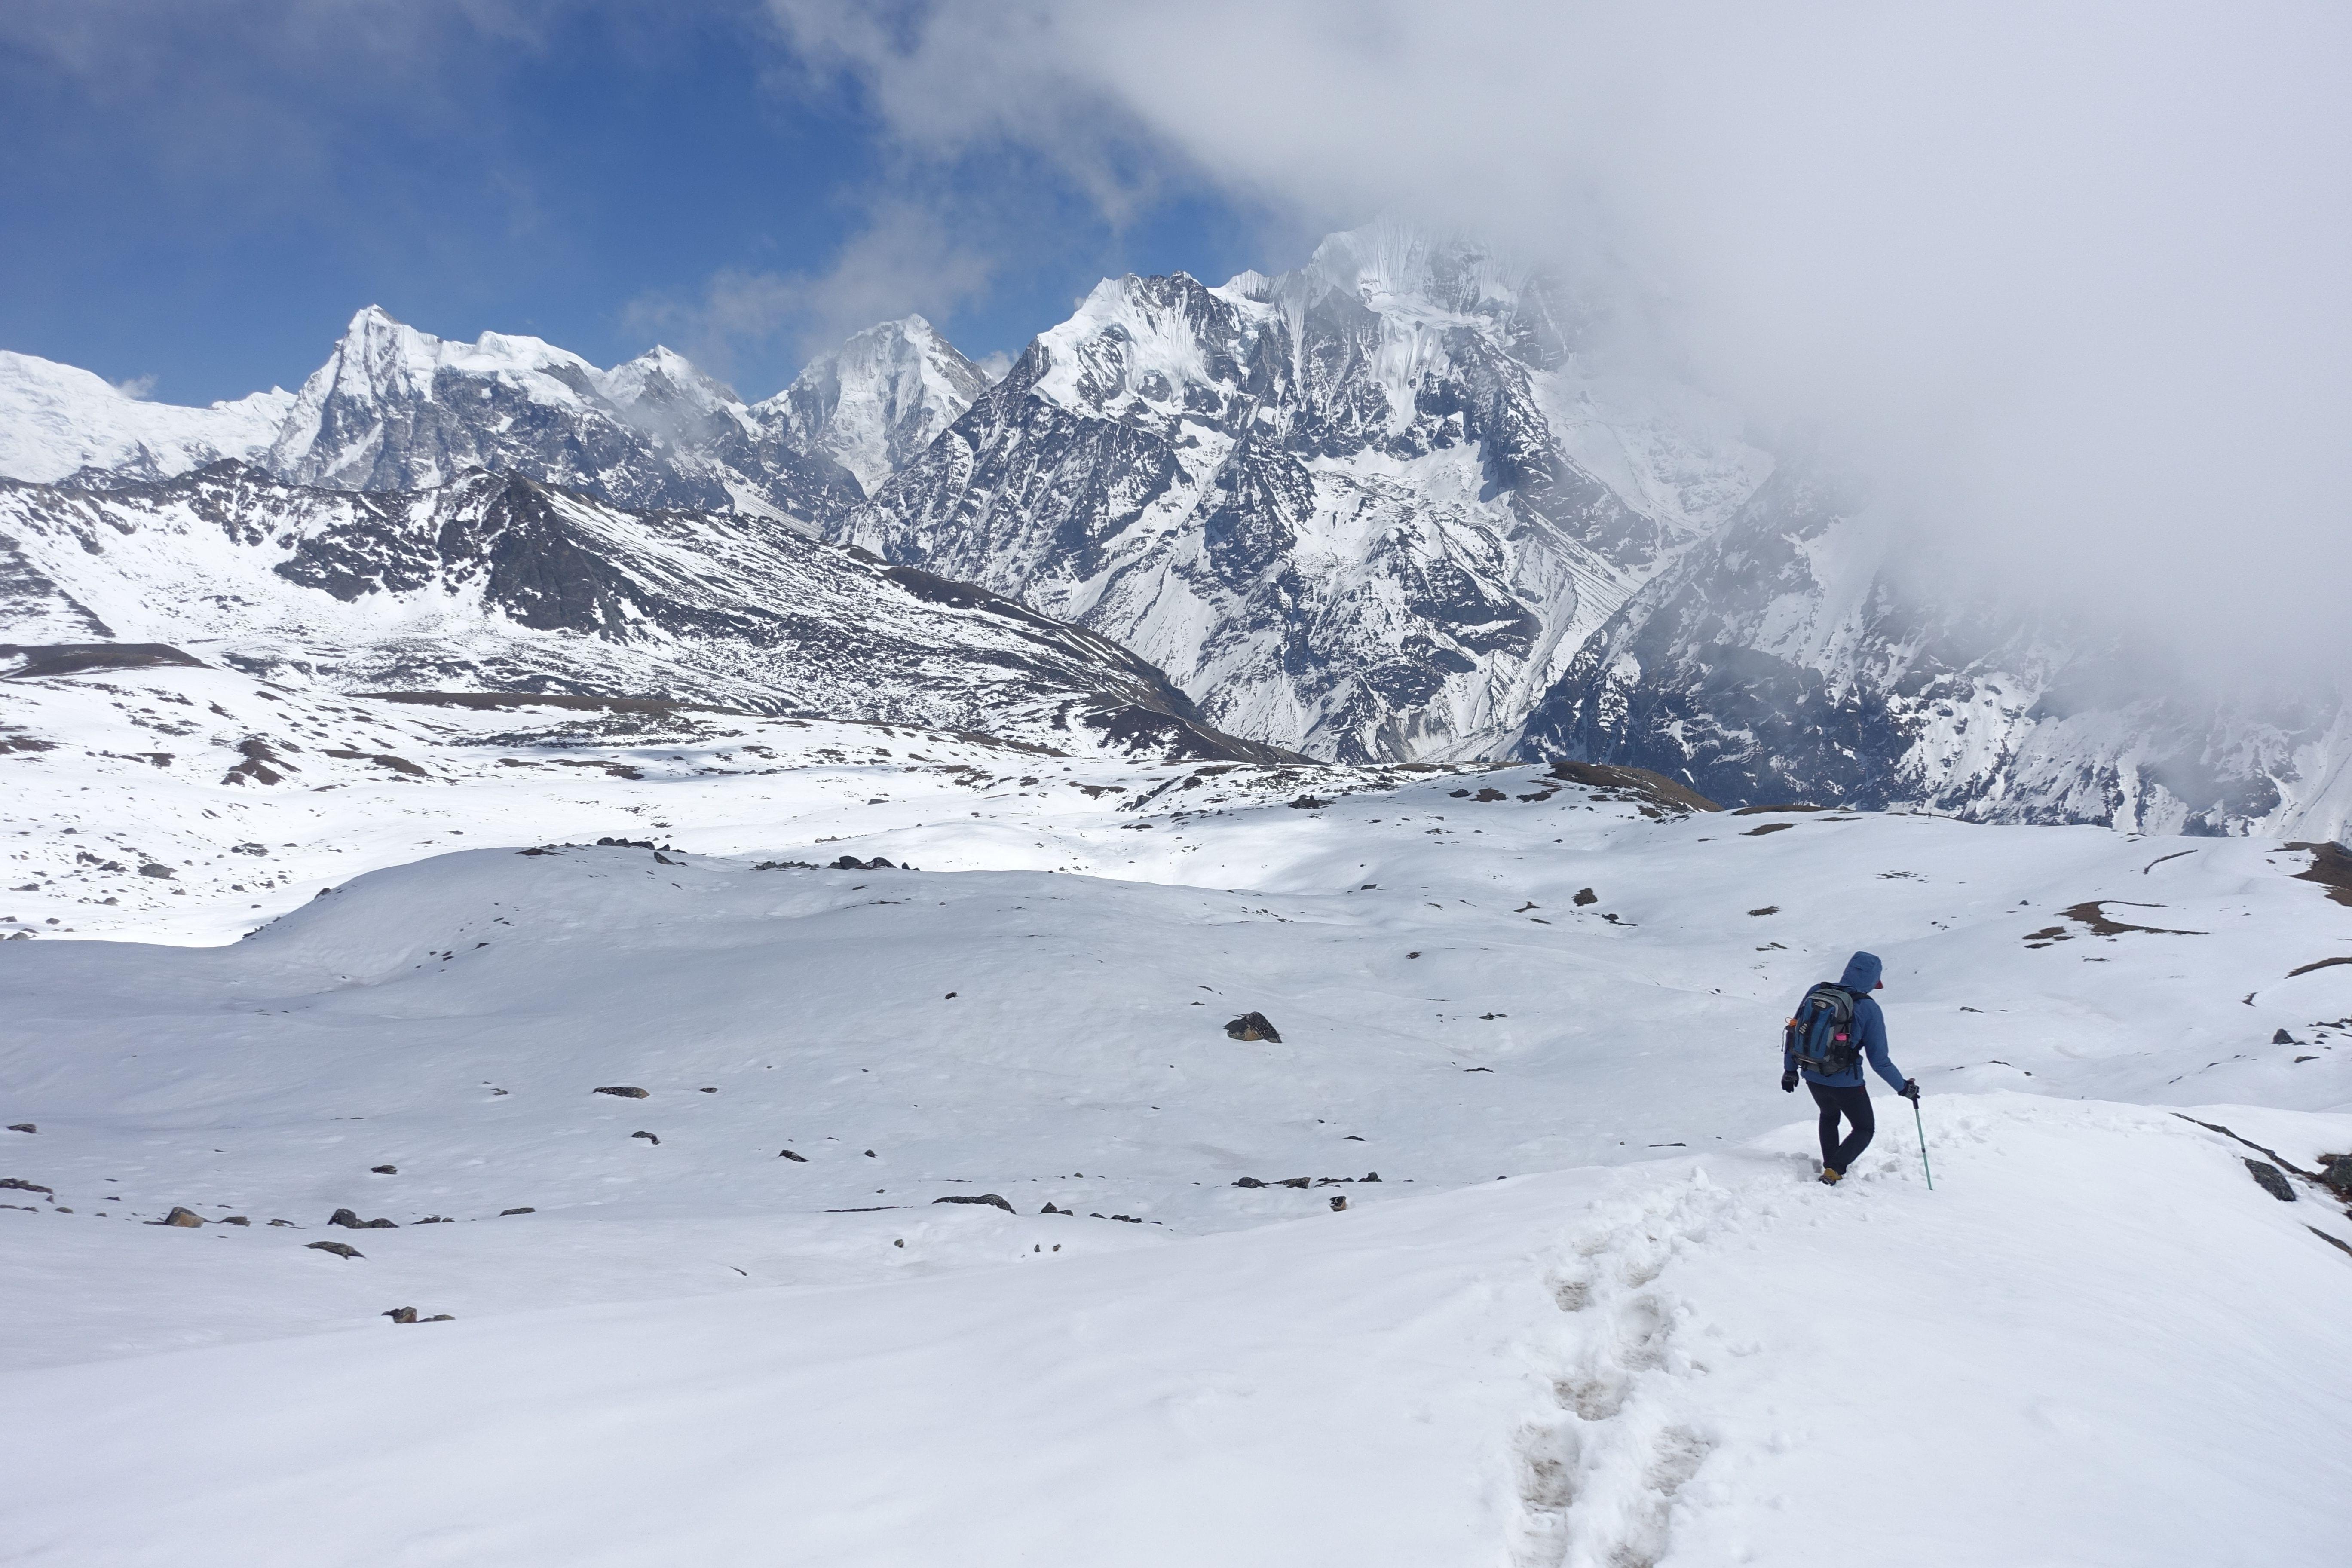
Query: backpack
{"points": [[1821, 1037]]}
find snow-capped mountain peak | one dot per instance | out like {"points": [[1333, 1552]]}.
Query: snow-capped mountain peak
{"points": [[874, 401]]}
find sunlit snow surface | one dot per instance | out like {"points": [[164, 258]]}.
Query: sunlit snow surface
{"points": [[1656, 1341]]}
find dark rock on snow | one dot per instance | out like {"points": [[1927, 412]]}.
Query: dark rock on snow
{"points": [[648, 1138], [1586, 895], [400, 1314], [339, 1248], [351, 1221], [22, 1127], [17, 1183], [503, 1213], [795, 1158], [384, 1170], [989, 1198], [625, 1091], [2270, 1179], [1253, 1027], [185, 1217]]}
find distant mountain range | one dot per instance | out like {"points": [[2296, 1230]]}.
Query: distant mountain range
{"points": [[1393, 505]]}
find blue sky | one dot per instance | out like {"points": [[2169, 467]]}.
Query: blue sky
{"points": [[203, 192]]}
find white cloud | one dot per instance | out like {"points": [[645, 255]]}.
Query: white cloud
{"points": [[2068, 279], [903, 258], [137, 387]]}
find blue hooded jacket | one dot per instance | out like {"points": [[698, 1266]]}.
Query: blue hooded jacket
{"points": [[1861, 977]]}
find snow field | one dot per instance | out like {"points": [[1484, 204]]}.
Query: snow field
{"points": [[2098, 1341], [2093, 1343]]}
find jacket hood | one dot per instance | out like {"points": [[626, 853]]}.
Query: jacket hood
{"points": [[1861, 973]]}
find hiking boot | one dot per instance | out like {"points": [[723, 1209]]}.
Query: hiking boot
{"points": [[1831, 1175]]}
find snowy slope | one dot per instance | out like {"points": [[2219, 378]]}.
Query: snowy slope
{"points": [[1778, 661], [501, 584], [56, 421], [1589, 1369], [1368, 509], [1689, 1355], [877, 400]]}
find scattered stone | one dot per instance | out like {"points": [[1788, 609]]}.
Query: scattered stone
{"points": [[709, 1091], [1339, 1202], [2336, 1174], [186, 1218], [1299, 1181], [2283, 1039], [235, 1219], [852, 863], [400, 1314], [1049, 1208], [1768, 828], [17, 1183], [1412, 956], [626, 1091], [948, 997], [871, 1155], [1766, 910], [1371, 1175], [1586, 895], [1249, 1182], [1253, 1027], [442, 1318], [785, 866], [384, 1170], [1304, 803], [2331, 1241], [437, 1219], [648, 1138], [1489, 795], [795, 1158], [339, 1248], [287, 1223], [351, 1221], [989, 1198], [22, 1127], [503, 1213], [2270, 1179]]}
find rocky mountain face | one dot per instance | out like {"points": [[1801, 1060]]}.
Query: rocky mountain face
{"points": [[498, 582], [1369, 509], [1780, 660], [877, 400]]}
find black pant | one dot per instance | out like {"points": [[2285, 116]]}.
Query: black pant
{"points": [[1853, 1104]]}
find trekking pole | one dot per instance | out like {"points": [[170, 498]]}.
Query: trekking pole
{"points": [[1923, 1145]]}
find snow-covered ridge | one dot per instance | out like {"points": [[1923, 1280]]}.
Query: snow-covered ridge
{"points": [[56, 420], [393, 407], [495, 584]]}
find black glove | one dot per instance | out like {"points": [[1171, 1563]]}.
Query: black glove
{"points": [[1789, 1081], [1910, 1090]]}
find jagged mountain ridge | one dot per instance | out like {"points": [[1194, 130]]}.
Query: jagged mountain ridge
{"points": [[498, 582], [1386, 505], [1357, 508], [396, 408], [1781, 660]]}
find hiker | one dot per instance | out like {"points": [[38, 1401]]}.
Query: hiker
{"points": [[1835, 1028]]}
